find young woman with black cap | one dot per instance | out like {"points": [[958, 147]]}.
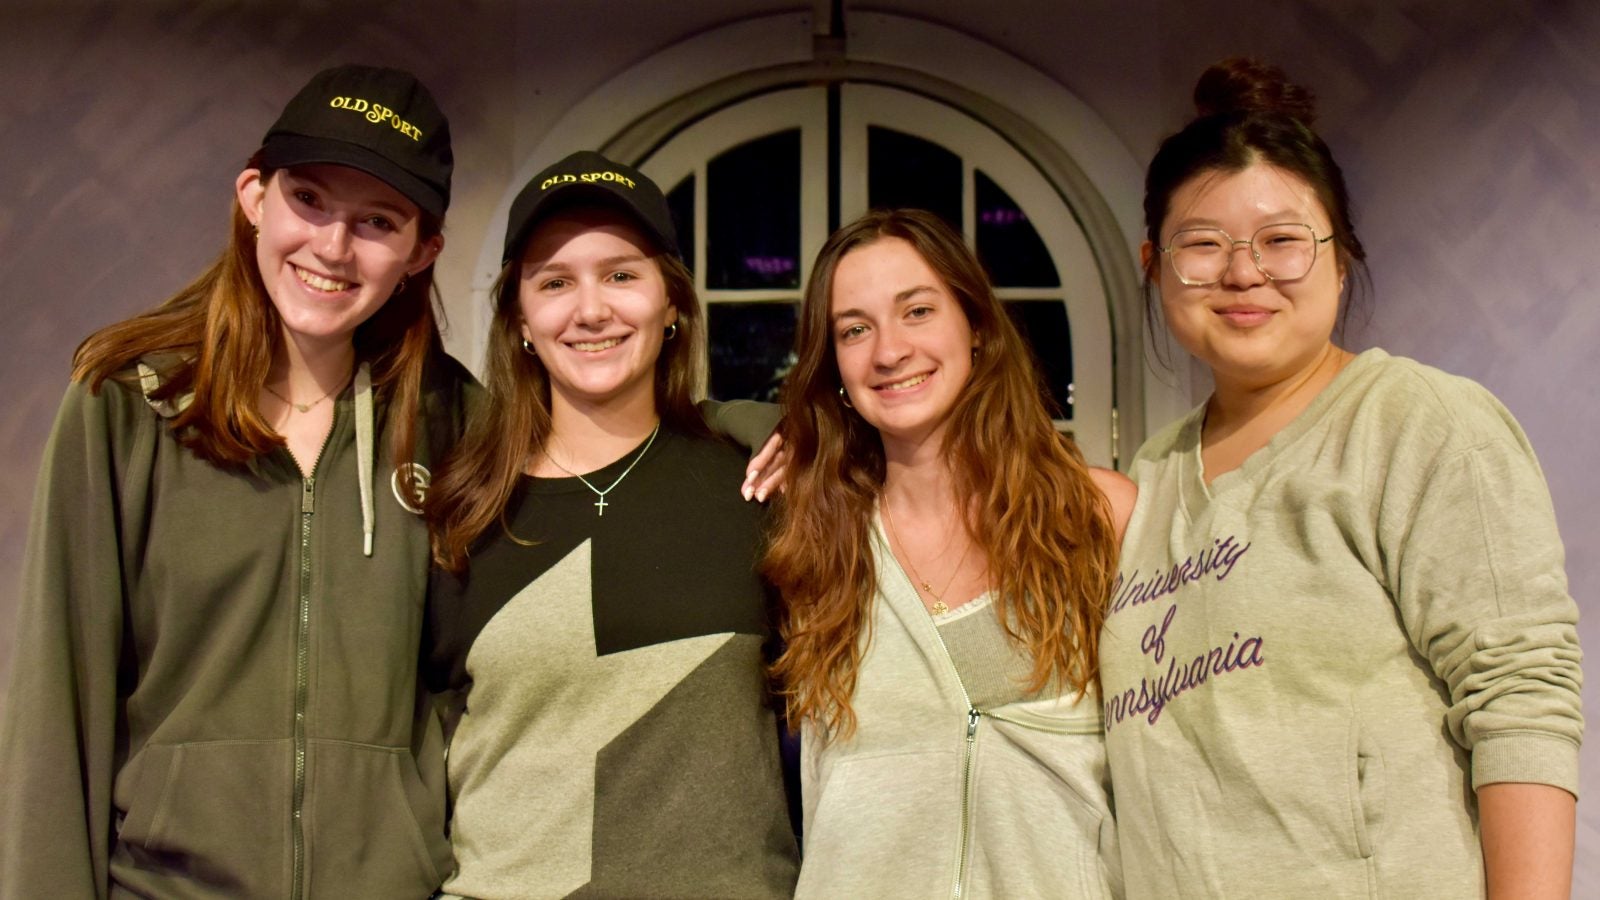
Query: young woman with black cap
{"points": [[214, 691], [606, 644]]}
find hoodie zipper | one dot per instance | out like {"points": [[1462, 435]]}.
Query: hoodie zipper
{"points": [[968, 760], [302, 663], [969, 754]]}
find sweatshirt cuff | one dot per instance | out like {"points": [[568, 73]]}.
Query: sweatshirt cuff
{"points": [[1526, 758]]}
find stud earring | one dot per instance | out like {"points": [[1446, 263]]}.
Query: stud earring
{"points": [[845, 398]]}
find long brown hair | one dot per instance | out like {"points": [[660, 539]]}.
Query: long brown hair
{"points": [[221, 332], [476, 480], [1044, 528]]}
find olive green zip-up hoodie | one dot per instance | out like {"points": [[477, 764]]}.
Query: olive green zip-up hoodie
{"points": [[214, 690]]}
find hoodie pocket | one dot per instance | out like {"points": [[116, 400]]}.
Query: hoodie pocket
{"points": [[215, 812], [1366, 788], [374, 828]]}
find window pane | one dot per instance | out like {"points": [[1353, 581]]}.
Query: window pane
{"points": [[753, 214], [680, 202], [751, 349], [1043, 324], [908, 171], [1007, 243]]}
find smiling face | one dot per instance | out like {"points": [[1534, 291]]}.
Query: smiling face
{"points": [[332, 243], [901, 339], [595, 308], [1251, 331]]}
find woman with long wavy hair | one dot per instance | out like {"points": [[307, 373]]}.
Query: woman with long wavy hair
{"points": [[945, 557], [214, 691]]}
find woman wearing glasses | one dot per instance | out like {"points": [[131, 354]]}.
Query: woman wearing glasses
{"points": [[1340, 656]]}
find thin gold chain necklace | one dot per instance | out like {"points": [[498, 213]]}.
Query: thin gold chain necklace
{"points": [[601, 503], [302, 407], [939, 608]]}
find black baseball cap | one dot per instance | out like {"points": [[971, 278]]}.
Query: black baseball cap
{"points": [[588, 177], [381, 121]]}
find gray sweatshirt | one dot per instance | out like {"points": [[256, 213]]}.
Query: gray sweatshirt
{"points": [[1312, 662]]}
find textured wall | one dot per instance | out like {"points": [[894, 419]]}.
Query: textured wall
{"points": [[1468, 132]]}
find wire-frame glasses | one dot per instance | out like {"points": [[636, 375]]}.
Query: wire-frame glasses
{"points": [[1283, 251]]}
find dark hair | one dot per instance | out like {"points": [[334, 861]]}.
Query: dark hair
{"points": [[476, 481], [1249, 111], [1043, 525], [222, 330]]}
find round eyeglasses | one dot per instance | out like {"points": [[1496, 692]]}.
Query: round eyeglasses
{"points": [[1282, 252]]}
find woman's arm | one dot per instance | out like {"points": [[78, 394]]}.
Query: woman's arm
{"points": [[752, 425], [58, 736], [1120, 492], [1470, 546], [1527, 833]]}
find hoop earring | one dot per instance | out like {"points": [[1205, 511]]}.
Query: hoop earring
{"points": [[401, 287], [845, 398], [672, 332], [528, 348]]}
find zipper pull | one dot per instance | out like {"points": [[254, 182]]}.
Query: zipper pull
{"points": [[308, 495], [972, 724]]}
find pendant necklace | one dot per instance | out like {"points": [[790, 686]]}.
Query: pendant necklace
{"points": [[601, 503], [939, 608]]}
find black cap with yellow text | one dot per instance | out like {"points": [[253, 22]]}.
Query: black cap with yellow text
{"points": [[380, 121], [588, 177]]}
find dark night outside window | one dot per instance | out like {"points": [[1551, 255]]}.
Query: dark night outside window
{"points": [[1043, 324], [680, 202], [1007, 242], [753, 215], [751, 349], [906, 171]]}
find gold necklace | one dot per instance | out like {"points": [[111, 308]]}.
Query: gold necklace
{"points": [[939, 608], [300, 407]]}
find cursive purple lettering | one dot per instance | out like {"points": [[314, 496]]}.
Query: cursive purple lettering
{"points": [[1218, 559], [1151, 696]]}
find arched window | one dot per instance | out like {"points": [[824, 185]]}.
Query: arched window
{"points": [[767, 135], [758, 185]]}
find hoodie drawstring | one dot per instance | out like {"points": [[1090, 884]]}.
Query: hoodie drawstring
{"points": [[364, 451]]}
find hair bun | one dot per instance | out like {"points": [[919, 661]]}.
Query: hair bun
{"points": [[1241, 85]]}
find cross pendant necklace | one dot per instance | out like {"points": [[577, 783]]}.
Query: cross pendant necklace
{"points": [[601, 504]]}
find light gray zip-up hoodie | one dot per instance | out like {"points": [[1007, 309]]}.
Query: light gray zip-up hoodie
{"points": [[931, 798]]}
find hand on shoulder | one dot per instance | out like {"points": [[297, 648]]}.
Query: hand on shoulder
{"points": [[1120, 491]]}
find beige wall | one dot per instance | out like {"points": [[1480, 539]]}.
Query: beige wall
{"points": [[1468, 132]]}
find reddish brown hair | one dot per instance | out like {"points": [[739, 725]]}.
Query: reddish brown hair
{"points": [[221, 332], [476, 480], [1044, 528]]}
